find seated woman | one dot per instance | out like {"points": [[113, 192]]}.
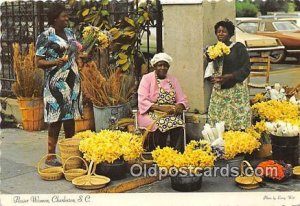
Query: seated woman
{"points": [[161, 100]]}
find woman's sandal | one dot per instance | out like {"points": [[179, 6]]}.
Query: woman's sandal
{"points": [[53, 162]]}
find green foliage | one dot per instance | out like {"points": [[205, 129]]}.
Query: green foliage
{"points": [[272, 6], [124, 32], [291, 7], [246, 9]]}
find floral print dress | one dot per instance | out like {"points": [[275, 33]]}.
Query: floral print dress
{"points": [[166, 98], [62, 93], [231, 102]]}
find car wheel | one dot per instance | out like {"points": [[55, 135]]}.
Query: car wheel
{"points": [[277, 58]]}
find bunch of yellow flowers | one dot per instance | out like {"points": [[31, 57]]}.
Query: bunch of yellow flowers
{"points": [[218, 50], [93, 35], [197, 154], [108, 146], [274, 110], [257, 129], [85, 134], [236, 142]]}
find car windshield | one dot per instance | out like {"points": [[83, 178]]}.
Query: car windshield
{"points": [[285, 26]]}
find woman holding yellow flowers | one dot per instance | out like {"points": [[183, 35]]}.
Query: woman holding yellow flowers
{"points": [[56, 50], [230, 101]]}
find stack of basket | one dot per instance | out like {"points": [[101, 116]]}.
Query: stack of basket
{"points": [[68, 148]]}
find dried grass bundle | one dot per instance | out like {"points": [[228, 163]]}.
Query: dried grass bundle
{"points": [[29, 79], [109, 89]]}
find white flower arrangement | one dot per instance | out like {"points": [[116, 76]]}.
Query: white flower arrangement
{"points": [[278, 93], [282, 128]]}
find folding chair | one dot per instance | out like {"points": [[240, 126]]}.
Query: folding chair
{"points": [[260, 67]]}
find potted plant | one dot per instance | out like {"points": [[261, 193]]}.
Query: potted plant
{"points": [[110, 150], [185, 169], [28, 88], [110, 94]]}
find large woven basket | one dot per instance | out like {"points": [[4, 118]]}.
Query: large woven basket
{"points": [[68, 148], [91, 180], [49, 173], [73, 173], [32, 112]]}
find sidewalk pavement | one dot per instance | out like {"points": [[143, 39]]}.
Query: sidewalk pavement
{"points": [[21, 151]]}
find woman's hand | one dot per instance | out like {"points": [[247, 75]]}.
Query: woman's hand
{"points": [[179, 109], [168, 109], [222, 79], [61, 61]]}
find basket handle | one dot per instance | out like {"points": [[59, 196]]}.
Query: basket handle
{"points": [[146, 161], [72, 157], [243, 163], [40, 162]]}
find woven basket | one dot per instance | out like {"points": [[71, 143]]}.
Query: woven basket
{"points": [[73, 173], [50, 173], [91, 180], [32, 112], [68, 148], [247, 182]]}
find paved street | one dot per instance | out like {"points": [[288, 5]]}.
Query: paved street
{"points": [[21, 151], [287, 73]]}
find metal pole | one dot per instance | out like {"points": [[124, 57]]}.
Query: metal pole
{"points": [[159, 25]]}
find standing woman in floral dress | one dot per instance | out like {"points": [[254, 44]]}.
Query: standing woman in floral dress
{"points": [[62, 94], [230, 103]]}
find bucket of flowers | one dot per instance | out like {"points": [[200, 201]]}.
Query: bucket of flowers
{"points": [[110, 150], [285, 141], [185, 169], [230, 146]]}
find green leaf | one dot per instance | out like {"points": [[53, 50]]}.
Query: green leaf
{"points": [[105, 2], [125, 66], [122, 61], [146, 16], [125, 47], [141, 20], [97, 20], [90, 17], [122, 56], [85, 12], [105, 13], [131, 34], [129, 21]]}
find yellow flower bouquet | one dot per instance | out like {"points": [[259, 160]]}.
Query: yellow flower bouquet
{"points": [[216, 53], [92, 36], [274, 110], [236, 142], [197, 156], [218, 50], [108, 146]]}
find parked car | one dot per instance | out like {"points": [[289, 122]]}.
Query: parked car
{"points": [[286, 31], [294, 17], [258, 45]]}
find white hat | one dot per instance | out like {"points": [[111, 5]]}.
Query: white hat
{"points": [[161, 57]]}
